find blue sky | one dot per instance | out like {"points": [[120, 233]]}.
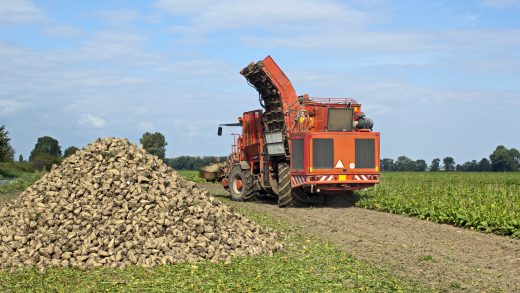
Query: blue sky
{"points": [[438, 77]]}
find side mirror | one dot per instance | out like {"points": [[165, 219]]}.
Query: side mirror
{"points": [[219, 131]]}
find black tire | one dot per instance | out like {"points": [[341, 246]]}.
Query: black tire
{"points": [[246, 190], [300, 197], [287, 196]]}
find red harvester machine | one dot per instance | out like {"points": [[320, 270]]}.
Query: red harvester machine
{"points": [[299, 147]]}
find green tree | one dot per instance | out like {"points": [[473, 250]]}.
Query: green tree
{"points": [[192, 163], [515, 155], [435, 165], [20, 159], [449, 164], [9, 154], [46, 145], [469, 166], [404, 163], [45, 161], [46, 153], [387, 164], [484, 165], [155, 144], [6, 150], [420, 165], [503, 160], [70, 151]]}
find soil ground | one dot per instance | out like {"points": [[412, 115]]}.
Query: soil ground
{"points": [[441, 257]]}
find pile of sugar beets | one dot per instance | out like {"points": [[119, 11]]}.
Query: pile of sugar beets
{"points": [[112, 204]]}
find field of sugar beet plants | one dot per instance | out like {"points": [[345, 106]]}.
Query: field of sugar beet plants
{"points": [[488, 202]]}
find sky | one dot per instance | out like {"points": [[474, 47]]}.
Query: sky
{"points": [[439, 78]]}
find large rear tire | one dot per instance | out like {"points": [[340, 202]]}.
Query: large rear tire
{"points": [[288, 197], [240, 184]]}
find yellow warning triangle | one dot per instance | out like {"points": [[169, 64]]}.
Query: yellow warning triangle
{"points": [[339, 165]]}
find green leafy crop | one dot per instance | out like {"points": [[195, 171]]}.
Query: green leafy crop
{"points": [[487, 202]]}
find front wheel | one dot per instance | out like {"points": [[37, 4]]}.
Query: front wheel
{"points": [[240, 184]]}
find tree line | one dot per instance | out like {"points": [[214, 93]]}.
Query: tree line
{"points": [[47, 150], [193, 163], [501, 160]]}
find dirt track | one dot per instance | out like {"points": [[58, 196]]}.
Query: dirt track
{"points": [[440, 257]]}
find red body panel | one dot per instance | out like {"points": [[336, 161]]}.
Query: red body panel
{"points": [[284, 87], [251, 138], [306, 119], [344, 162]]}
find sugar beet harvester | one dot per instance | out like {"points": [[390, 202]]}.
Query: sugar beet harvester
{"points": [[299, 147]]}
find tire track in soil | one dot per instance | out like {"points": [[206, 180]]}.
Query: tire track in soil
{"points": [[441, 257]]}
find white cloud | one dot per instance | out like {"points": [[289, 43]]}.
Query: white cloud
{"points": [[156, 77], [61, 76], [325, 25], [17, 12], [331, 26], [63, 31], [451, 42], [271, 14], [500, 3], [8, 107], [504, 39], [202, 67], [118, 16], [469, 18], [110, 44], [361, 41], [92, 121], [381, 95]]}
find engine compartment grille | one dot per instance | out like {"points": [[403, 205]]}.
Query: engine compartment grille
{"points": [[297, 154], [340, 119], [323, 153], [365, 153]]}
